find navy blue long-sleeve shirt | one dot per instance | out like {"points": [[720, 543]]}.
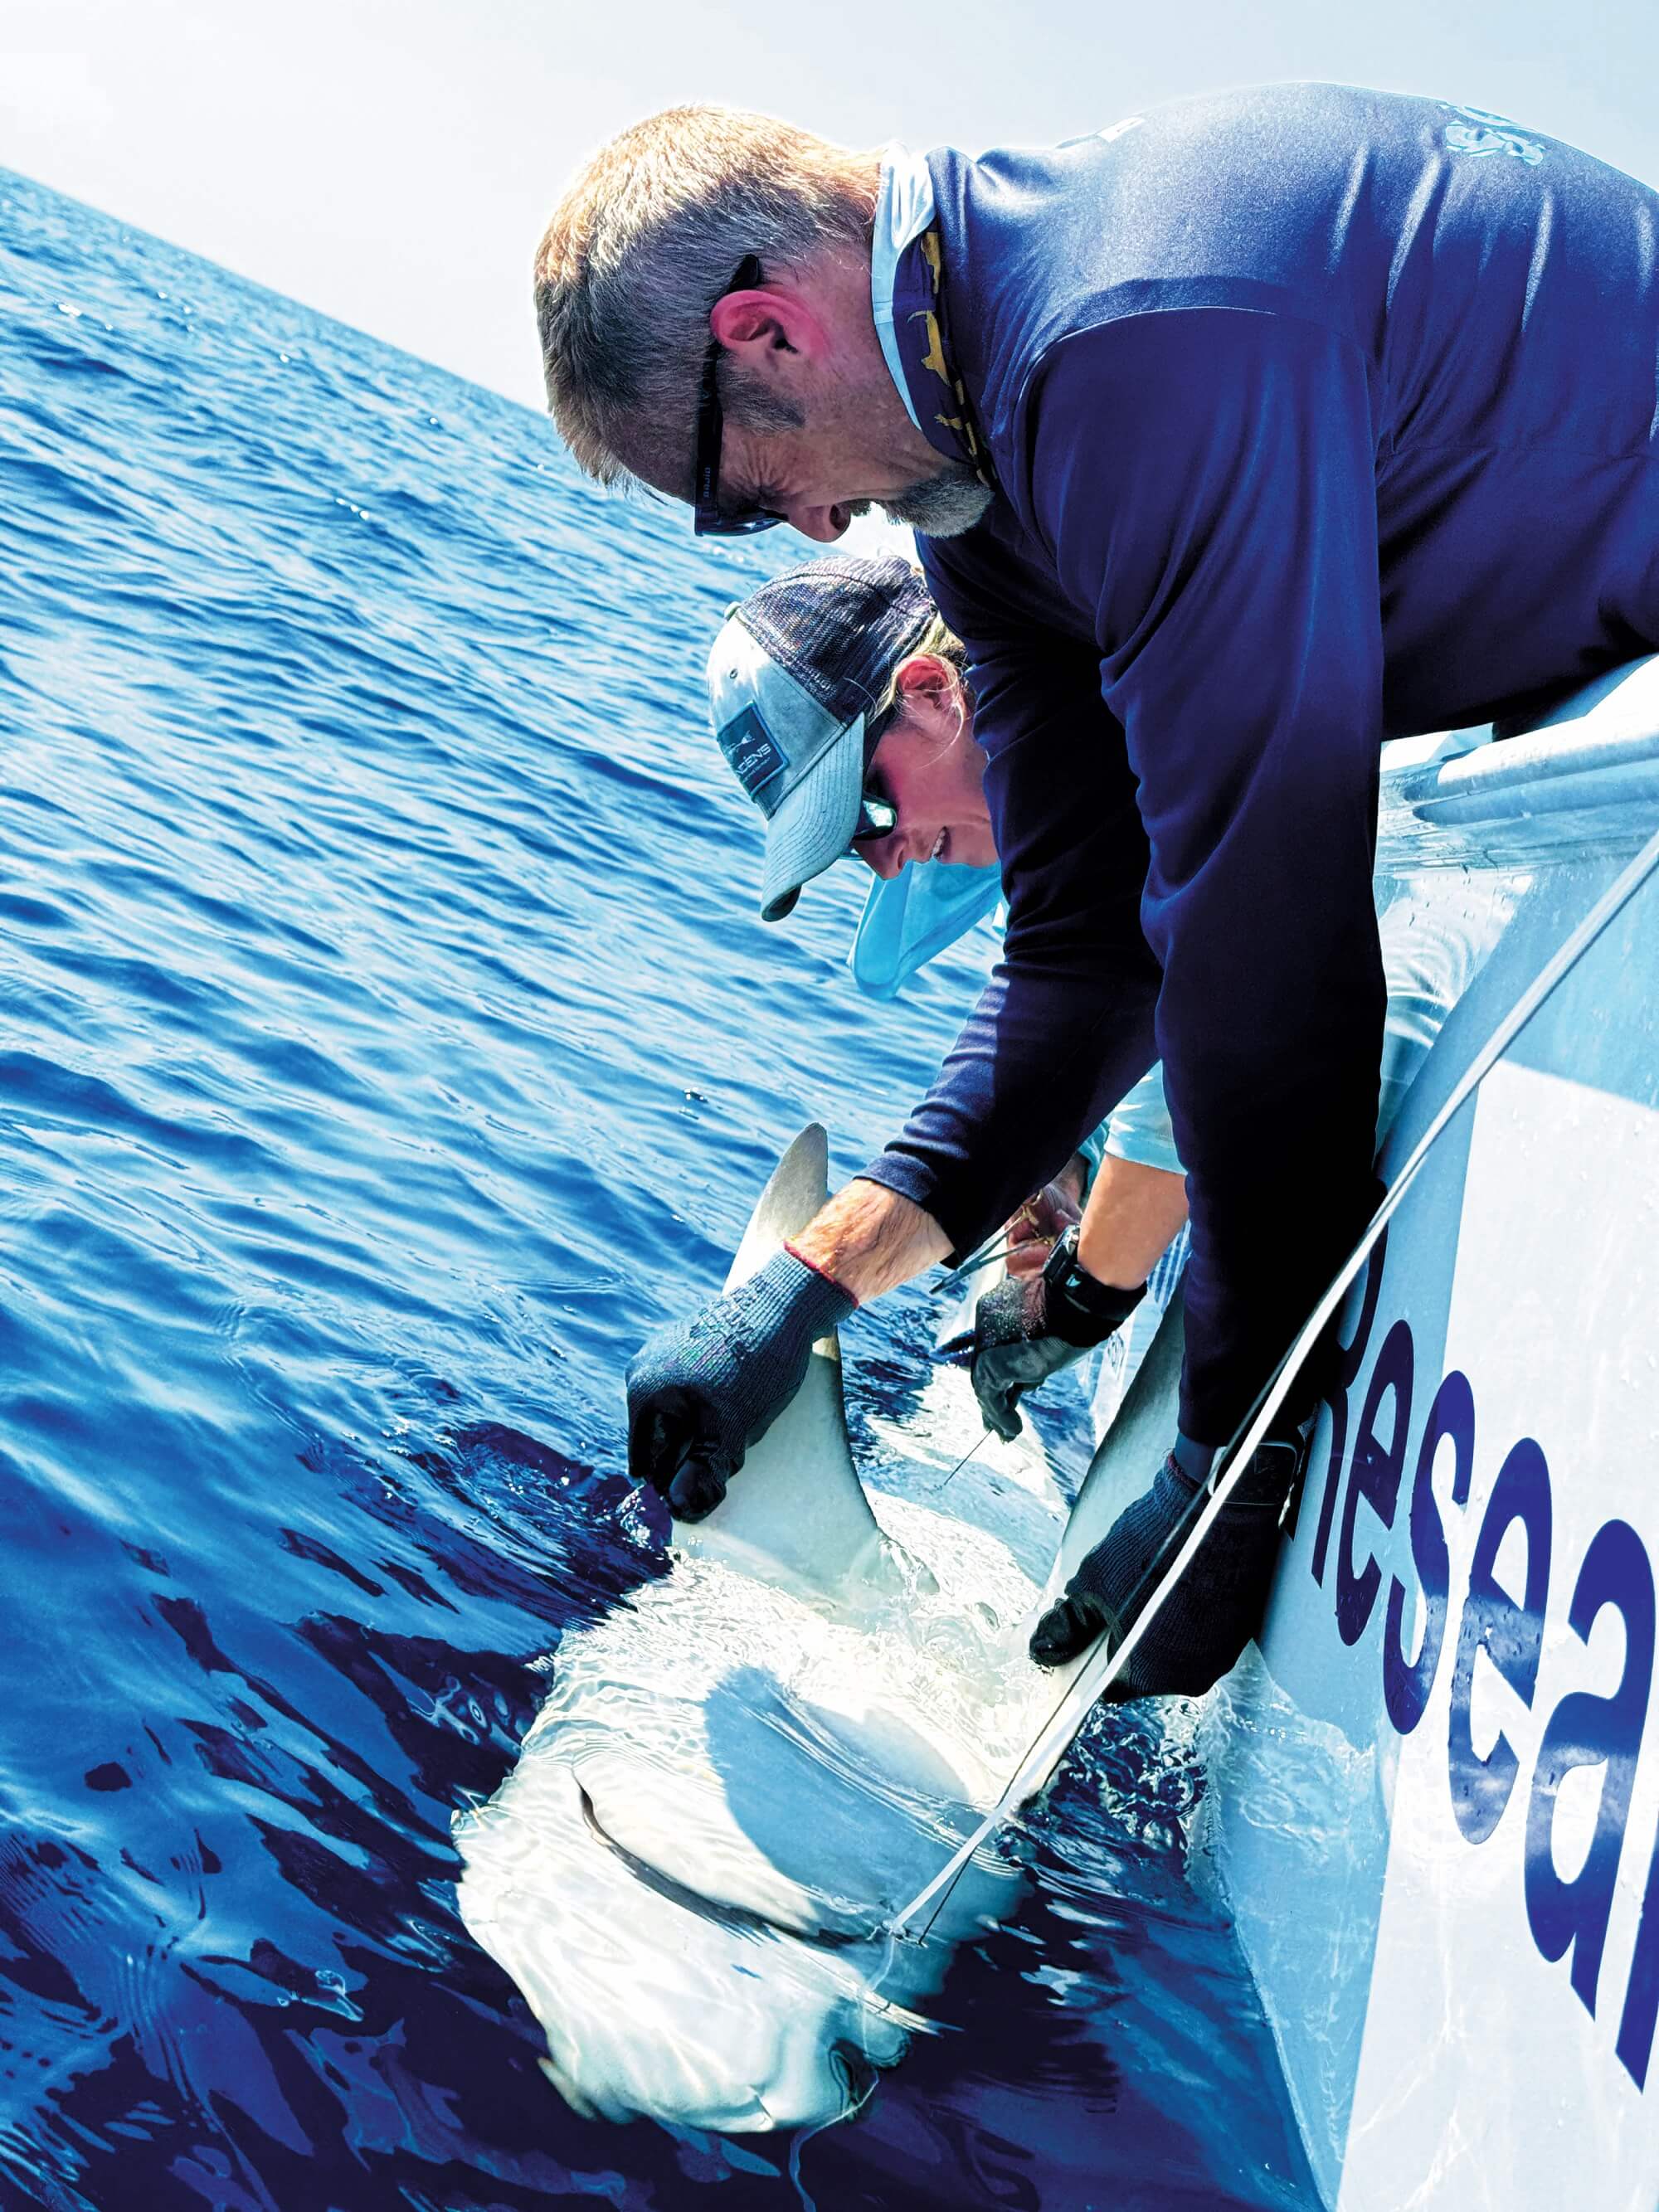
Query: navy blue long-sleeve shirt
{"points": [[1318, 416]]}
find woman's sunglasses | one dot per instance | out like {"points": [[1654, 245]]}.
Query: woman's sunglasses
{"points": [[878, 817]]}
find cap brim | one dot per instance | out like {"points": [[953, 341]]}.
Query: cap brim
{"points": [[814, 825]]}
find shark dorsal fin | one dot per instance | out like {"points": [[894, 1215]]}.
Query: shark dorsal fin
{"points": [[796, 1512]]}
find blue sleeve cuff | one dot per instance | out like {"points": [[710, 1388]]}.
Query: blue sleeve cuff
{"points": [[1195, 1460]]}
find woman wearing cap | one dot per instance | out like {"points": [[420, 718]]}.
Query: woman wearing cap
{"points": [[840, 700]]}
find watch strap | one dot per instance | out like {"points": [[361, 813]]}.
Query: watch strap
{"points": [[1076, 1295]]}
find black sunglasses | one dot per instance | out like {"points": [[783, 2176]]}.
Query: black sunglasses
{"points": [[878, 817], [709, 518]]}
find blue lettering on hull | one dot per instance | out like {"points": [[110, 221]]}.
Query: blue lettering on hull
{"points": [[1362, 1496]]}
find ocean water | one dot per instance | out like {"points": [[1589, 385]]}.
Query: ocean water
{"points": [[387, 1041]]}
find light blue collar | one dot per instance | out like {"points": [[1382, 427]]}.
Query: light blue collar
{"points": [[904, 208]]}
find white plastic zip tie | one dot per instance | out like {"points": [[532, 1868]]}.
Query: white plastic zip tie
{"points": [[1100, 1669]]}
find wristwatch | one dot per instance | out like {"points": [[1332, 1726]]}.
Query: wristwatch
{"points": [[1104, 1305]]}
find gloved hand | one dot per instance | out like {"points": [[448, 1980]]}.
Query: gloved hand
{"points": [[1028, 1328], [1212, 1614], [700, 1392]]}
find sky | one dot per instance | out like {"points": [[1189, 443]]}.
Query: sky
{"points": [[392, 161]]}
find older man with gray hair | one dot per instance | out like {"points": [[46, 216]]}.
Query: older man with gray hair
{"points": [[1241, 436]]}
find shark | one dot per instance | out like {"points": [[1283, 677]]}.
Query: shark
{"points": [[742, 1771]]}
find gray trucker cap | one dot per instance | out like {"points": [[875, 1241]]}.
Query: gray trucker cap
{"points": [[798, 669]]}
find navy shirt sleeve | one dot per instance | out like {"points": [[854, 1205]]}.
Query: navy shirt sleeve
{"points": [[1064, 1028], [1204, 481]]}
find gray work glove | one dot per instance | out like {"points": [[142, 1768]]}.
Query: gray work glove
{"points": [[700, 1392], [1029, 1329], [1203, 1627]]}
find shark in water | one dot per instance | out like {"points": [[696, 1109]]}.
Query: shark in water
{"points": [[743, 1774]]}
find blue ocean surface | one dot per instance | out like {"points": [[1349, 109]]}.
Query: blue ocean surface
{"points": [[387, 1041]]}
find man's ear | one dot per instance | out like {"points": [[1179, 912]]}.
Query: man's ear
{"points": [[766, 320]]}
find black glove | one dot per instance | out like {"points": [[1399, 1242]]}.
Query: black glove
{"points": [[702, 1391], [1027, 1329], [1205, 1623]]}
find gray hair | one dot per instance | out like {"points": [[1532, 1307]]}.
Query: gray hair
{"points": [[645, 240]]}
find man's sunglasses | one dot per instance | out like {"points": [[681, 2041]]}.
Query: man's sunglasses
{"points": [[710, 520]]}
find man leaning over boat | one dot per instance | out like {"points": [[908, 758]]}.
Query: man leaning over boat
{"points": [[1239, 437]]}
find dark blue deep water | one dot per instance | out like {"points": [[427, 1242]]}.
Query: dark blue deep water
{"points": [[386, 1042]]}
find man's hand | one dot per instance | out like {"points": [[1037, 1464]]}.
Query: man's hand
{"points": [[1212, 1614], [1045, 1217], [1026, 1331], [701, 1392]]}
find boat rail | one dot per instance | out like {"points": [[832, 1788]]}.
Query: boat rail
{"points": [[1585, 778]]}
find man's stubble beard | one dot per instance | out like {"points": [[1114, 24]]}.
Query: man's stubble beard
{"points": [[948, 500], [941, 506]]}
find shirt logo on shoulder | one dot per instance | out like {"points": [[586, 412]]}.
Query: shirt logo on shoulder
{"points": [[755, 756], [1480, 131]]}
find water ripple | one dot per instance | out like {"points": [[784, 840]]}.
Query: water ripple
{"points": [[387, 1040]]}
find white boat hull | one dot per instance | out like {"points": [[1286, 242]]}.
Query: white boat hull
{"points": [[1436, 1785]]}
